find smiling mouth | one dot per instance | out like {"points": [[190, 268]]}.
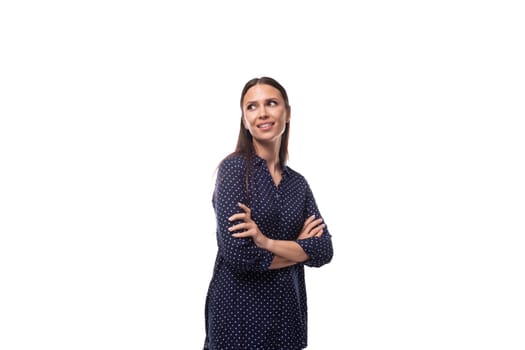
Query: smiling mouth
{"points": [[265, 126]]}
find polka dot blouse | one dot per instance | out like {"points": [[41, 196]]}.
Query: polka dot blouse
{"points": [[248, 306]]}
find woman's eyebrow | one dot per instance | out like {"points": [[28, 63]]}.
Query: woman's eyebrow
{"points": [[265, 100]]}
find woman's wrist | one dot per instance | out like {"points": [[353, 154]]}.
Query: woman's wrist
{"points": [[269, 244]]}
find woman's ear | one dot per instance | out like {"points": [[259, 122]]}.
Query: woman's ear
{"points": [[288, 114]]}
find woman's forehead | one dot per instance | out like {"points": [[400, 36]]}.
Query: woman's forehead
{"points": [[262, 91]]}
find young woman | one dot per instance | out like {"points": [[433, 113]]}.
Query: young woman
{"points": [[268, 229]]}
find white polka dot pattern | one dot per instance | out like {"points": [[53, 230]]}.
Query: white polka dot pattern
{"points": [[248, 306]]}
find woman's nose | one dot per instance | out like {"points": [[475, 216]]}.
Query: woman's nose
{"points": [[262, 113]]}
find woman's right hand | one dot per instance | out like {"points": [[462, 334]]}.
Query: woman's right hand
{"points": [[312, 227]]}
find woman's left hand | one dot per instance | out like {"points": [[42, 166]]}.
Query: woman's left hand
{"points": [[248, 226]]}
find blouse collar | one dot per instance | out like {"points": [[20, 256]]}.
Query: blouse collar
{"points": [[258, 161]]}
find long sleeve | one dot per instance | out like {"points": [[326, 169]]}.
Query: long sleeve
{"points": [[230, 189], [319, 249], [249, 306]]}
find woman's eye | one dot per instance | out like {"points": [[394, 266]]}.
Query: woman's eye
{"points": [[250, 107], [272, 103]]}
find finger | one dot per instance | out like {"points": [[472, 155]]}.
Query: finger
{"points": [[246, 232], [310, 234], [241, 226], [244, 207], [238, 216], [320, 230], [308, 221], [314, 224], [242, 234]]}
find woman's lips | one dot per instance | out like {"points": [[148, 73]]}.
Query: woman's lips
{"points": [[265, 126]]}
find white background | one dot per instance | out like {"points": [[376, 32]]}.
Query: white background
{"points": [[406, 120]]}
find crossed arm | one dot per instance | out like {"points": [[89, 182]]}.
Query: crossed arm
{"points": [[286, 253]]}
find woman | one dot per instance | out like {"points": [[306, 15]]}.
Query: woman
{"points": [[268, 228]]}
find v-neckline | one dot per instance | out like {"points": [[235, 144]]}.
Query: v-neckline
{"points": [[276, 184]]}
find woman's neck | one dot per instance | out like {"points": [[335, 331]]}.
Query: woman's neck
{"points": [[270, 153]]}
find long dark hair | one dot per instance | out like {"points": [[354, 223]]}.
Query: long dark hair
{"points": [[245, 141], [245, 146]]}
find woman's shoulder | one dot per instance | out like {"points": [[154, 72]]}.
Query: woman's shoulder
{"points": [[294, 174], [233, 160], [232, 164]]}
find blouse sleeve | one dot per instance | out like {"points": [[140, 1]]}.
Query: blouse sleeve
{"points": [[319, 249], [230, 189]]}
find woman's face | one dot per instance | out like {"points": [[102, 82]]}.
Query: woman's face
{"points": [[264, 113]]}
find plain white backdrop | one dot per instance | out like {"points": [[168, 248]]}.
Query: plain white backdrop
{"points": [[407, 120]]}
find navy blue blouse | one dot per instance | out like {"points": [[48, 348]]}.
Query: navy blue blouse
{"points": [[249, 306]]}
